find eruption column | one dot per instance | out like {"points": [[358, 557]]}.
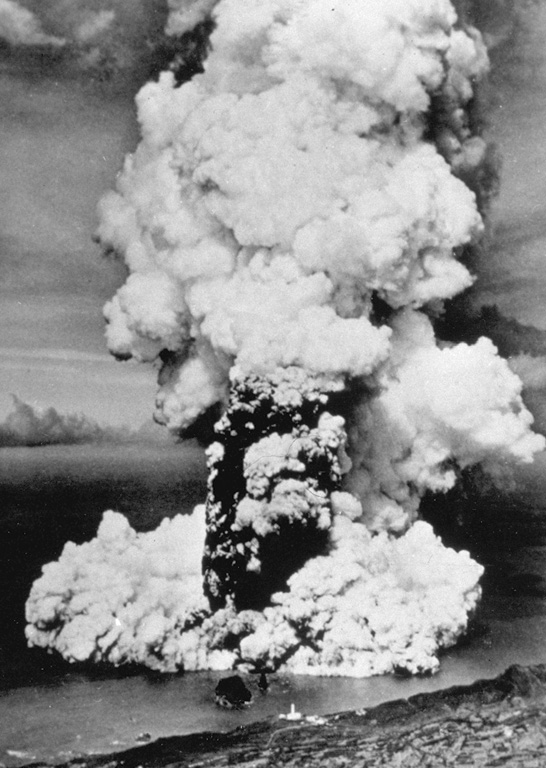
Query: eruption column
{"points": [[269, 505], [291, 220]]}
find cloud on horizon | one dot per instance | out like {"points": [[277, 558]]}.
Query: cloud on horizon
{"points": [[110, 393], [102, 37], [26, 426]]}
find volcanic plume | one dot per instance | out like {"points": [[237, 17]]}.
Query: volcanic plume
{"points": [[292, 222]]}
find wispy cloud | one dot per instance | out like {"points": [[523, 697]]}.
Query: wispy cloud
{"points": [[58, 355], [102, 36], [19, 26], [530, 369], [94, 25]]}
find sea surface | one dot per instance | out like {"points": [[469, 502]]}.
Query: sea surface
{"points": [[51, 711]]}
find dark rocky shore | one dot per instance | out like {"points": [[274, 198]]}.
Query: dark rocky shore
{"points": [[500, 722]]}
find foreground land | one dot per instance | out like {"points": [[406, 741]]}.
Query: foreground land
{"points": [[500, 722]]}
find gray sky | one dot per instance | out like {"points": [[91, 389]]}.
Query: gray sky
{"points": [[64, 136], [514, 273]]}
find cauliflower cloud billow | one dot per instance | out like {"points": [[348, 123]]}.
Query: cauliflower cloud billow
{"points": [[290, 222]]}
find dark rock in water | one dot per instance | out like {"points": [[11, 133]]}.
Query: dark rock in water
{"points": [[263, 683], [499, 722], [232, 693]]}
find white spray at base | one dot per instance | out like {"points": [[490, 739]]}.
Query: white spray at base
{"points": [[272, 203]]}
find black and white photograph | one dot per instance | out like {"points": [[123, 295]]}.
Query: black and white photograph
{"points": [[272, 383]]}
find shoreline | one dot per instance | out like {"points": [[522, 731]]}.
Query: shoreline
{"points": [[493, 722]]}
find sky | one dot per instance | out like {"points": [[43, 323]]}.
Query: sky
{"points": [[514, 275], [64, 136]]}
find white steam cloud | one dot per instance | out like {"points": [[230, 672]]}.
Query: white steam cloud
{"points": [[290, 228], [436, 405], [376, 603], [272, 195], [128, 602]]}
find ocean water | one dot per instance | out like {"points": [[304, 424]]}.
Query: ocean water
{"points": [[50, 710]]}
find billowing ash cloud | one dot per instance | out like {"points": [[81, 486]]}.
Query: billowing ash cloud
{"points": [[292, 220], [28, 426]]}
